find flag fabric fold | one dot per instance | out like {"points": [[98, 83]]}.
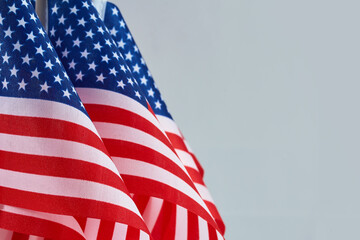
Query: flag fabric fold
{"points": [[121, 34], [54, 167], [138, 145]]}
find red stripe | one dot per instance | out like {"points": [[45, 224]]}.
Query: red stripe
{"points": [[212, 233], [139, 185], [19, 236], [215, 213], [60, 167], [125, 149], [108, 114], [195, 175], [177, 141], [106, 230], [132, 233], [141, 202], [72, 206], [36, 226], [165, 223], [39, 127], [193, 226]]}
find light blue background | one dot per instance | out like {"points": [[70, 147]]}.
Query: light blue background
{"points": [[268, 95]]}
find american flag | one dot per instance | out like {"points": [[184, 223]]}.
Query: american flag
{"points": [[138, 145], [115, 22], [54, 168]]}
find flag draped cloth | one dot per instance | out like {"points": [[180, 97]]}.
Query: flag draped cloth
{"points": [[112, 165]]}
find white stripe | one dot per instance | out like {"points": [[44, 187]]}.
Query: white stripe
{"points": [[66, 187], [219, 236], [46, 109], [181, 230], [120, 231], [144, 235], [114, 99], [32, 237], [64, 220], [55, 148], [204, 192], [152, 211], [150, 171], [92, 228], [203, 229], [168, 125], [5, 234], [130, 134], [186, 159]]}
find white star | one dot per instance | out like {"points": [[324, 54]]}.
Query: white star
{"points": [[30, 36], [115, 11], [39, 50], [149, 73], [8, 33], [85, 53], [97, 46], [13, 71], [44, 87], [22, 22], [113, 31], [150, 92], [77, 42], [79, 76], [136, 68], [17, 46], [62, 19], [66, 93], [26, 59], [48, 44], [113, 71], [12, 8], [58, 42], [72, 64], [32, 17], [81, 22], [5, 84], [105, 58], [128, 56], [22, 84], [100, 78], [143, 80], [121, 43], [54, 9], [85, 4], [35, 73], [73, 10], [107, 42], [92, 66], [137, 94], [122, 24], [142, 61], [41, 31], [89, 34], [93, 17], [101, 30], [115, 55], [52, 32], [123, 68], [25, 3], [136, 49], [48, 64], [121, 84], [6, 58], [65, 53], [58, 79], [69, 31], [1, 19], [130, 81], [158, 104], [57, 61], [129, 36]]}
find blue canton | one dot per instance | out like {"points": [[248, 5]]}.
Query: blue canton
{"points": [[29, 65], [89, 54], [127, 46]]}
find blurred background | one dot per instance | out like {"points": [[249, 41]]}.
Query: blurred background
{"points": [[267, 95]]}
